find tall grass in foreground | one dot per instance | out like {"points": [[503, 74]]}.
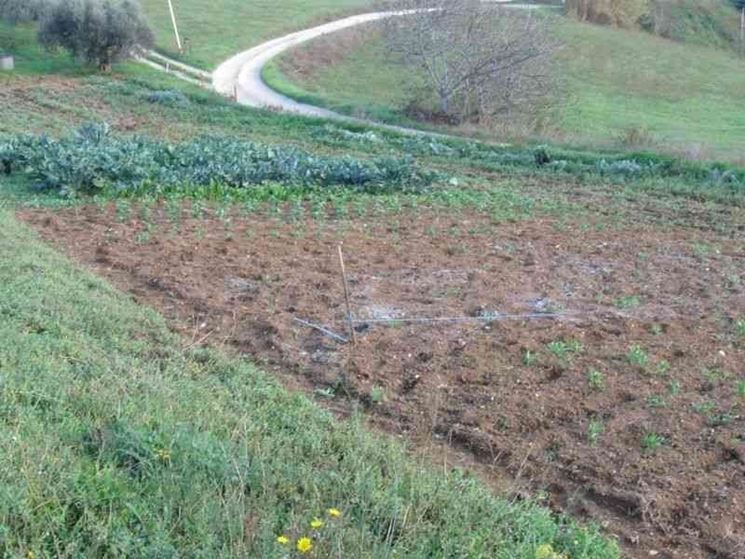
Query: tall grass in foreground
{"points": [[119, 441]]}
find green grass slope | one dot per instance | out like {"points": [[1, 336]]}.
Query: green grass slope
{"points": [[687, 97], [679, 98], [217, 30]]}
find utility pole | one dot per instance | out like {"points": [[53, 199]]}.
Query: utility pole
{"points": [[175, 27], [742, 29]]}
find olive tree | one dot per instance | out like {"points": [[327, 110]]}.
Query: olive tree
{"points": [[21, 11], [97, 32], [484, 62]]}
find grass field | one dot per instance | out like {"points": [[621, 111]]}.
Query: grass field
{"points": [[675, 97], [125, 433], [217, 31]]}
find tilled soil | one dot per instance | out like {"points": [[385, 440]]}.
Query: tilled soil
{"points": [[614, 389]]}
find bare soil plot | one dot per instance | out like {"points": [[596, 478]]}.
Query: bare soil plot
{"points": [[627, 406]]}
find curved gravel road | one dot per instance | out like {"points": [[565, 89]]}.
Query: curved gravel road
{"points": [[240, 76]]}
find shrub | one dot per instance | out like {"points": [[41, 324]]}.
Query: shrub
{"points": [[620, 13], [97, 32], [708, 22]]}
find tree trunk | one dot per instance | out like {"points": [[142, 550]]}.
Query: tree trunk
{"points": [[444, 100]]}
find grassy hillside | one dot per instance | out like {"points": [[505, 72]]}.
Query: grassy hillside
{"points": [[620, 85], [215, 31], [685, 96]]}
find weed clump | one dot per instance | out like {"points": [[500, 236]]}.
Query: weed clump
{"points": [[168, 98]]}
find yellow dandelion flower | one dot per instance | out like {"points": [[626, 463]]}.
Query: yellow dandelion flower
{"points": [[334, 513], [316, 523], [304, 545], [545, 551], [283, 540], [164, 454], [30, 555]]}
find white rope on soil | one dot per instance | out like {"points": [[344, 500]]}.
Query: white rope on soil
{"points": [[429, 320]]}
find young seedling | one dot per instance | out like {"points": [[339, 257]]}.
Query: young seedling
{"points": [[657, 329], [377, 395], [564, 349], [715, 376], [530, 358], [740, 389], [146, 211], [662, 368], [173, 209], [628, 302], [656, 401], [638, 357], [740, 328], [504, 423], [652, 441], [596, 380], [249, 207], [198, 209], [702, 249], [704, 408], [595, 430], [143, 237], [360, 206], [123, 210], [341, 208], [297, 211], [673, 388], [719, 419]]}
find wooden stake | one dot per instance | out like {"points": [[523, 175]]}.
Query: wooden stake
{"points": [[175, 27], [352, 334]]}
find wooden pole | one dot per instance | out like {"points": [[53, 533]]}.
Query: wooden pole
{"points": [[742, 30], [352, 334], [175, 27]]}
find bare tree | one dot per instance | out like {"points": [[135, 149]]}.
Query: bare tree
{"points": [[482, 61]]}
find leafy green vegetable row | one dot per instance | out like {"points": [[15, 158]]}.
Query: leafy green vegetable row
{"points": [[619, 166], [93, 160]]}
